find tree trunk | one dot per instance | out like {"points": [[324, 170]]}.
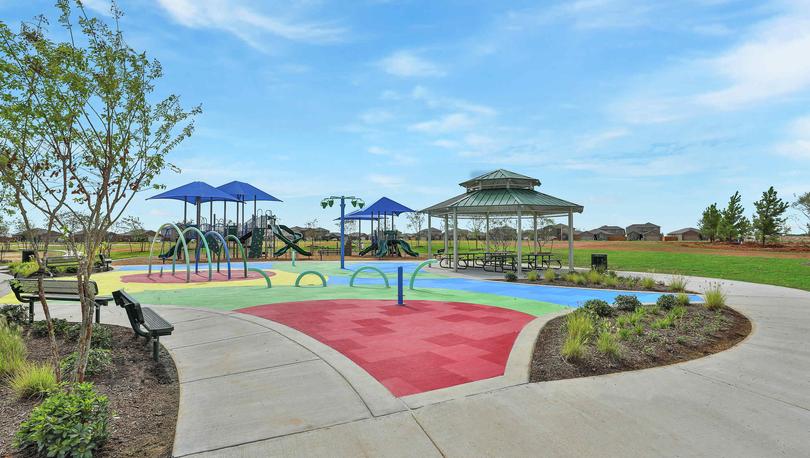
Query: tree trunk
{"points": [[87, 305]]}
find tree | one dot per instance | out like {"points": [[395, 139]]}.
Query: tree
{"points": [[802, 204], [709, 224], [415, 222], [734, 226], [133, 228], [769, 220], [476, 226], [81, 134]]}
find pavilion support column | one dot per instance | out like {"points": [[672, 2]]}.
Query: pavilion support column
{"points": [[446, 232], [455, 240], [519, 245], [430, 239], [487, 230], [571, 240], [535, 233]]}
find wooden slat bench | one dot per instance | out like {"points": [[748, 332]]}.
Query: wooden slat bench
{"points": [[27, 290], [145, 322], [103, 263], [61, 261]]}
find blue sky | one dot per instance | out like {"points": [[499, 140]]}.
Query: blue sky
{"points": [[638, 110]]}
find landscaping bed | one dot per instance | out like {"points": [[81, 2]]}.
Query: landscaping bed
{"points": [[598, 280], [143, 397], [647, 337]]}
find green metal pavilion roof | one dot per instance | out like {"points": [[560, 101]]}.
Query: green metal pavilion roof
{"points": [[502, 192]]}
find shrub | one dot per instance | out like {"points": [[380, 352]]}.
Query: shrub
{"points": [[598, 307], [648, 283], [14, 313], [23, 269], [594, 277], [12, 350], [72, 421], [549, 275], [62, 270], [678, 284], [715, 298], [532, 275], [102, 335], [33, 380], [607, 344], [666, 301], [627, 302], [61, 328], [98, 360], [510, 276], [682, 299]]}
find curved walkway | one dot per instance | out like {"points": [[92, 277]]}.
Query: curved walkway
{"points": [[252, 387]]}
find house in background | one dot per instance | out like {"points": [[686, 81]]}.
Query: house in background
{"points": [[687, 234], [604, 233], [646, 231]]}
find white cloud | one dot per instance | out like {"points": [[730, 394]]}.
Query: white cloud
{"points": [[595, 140], [242, 20], [798, 144], [452, 122], [376, 116], [99, 6], [386, 181], [406, 64]]}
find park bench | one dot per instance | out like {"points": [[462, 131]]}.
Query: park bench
{"points": [[145, 322], [104, 264], [328, 252], [61, 261], [27, 290]]}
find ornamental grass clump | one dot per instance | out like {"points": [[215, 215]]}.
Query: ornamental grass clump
{"points": [[72, 421], [682, 299], [33, 380], [595, 277], [12, 350], [648, 283], [715, 298], [607, 344], [579, 329], [532, 275], [549, 276], [677, 284]]}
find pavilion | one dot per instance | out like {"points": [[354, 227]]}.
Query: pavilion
{"points": [[502, 193]]}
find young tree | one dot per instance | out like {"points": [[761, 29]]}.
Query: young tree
{"points": [[132, 226], [476, 225], [709, 224], [415, 222], [734, 226], [80, 131], [802, 205], [769, 220]]}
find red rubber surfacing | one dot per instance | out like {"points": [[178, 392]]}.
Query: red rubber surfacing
{"points": [[180, 276], [423, 346]]}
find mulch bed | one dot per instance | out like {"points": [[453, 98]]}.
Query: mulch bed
{"points": [[659, 288], [699, 333], [143, 395]]}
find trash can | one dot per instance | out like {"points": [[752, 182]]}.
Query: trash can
{"points": [[599, 262], [28, 255]]}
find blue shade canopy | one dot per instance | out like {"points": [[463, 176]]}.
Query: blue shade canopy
{"points": [[196, 191], [382, 207], [357, 215], [245, 192]]}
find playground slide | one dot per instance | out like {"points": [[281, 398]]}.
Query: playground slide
{"points": [[279, 231], [383, 251], [169, 253], [406, 248], [368, 249], [245, 237]]}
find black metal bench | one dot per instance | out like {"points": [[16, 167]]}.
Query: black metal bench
{"points": [[61, 261], [145, 322], [27, 290], [103, 263], [328, 252]]}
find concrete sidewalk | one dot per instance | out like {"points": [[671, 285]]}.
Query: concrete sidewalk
{"points": [[251, 387]]}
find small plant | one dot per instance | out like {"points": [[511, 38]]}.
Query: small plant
{"points": [[33, 380], [625, 333], [580, 280], [623, 321], [102, 336], [648, 283], [72, 421], [638, 330], [579, 329], [98, 360], [549, 276], [682, 299], [607, 344], [61, 328], [663, 323], [636, 317], [598, 307], [677, 312], [571, 277], [715, 297], [652, 309], [610, 281], [532, 275], [627, 302], [510, 276], [666, 301], [14, 313], [682, 340], [12, 350], [677, 284], [595, 277]]}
